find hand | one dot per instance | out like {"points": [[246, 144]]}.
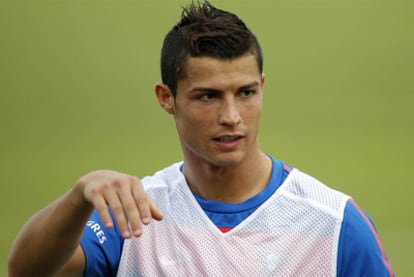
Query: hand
{"points": [[124, 195]]}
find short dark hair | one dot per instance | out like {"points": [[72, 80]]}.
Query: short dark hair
{"points": [[205, 31]]}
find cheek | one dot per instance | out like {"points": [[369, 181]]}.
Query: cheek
{"points": [[199, 116], [192, 123], [252, 113]]}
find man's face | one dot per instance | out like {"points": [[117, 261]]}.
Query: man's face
{"points": [[217, 110]]}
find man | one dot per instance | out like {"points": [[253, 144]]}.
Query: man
{"points": [[227, 209]]}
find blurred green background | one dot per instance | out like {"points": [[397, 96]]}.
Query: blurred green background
{"points": [[76, 94]]}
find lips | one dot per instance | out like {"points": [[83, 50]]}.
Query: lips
{"points": [[227, 138], [228, 141]]}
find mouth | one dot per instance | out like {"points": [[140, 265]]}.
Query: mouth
{"points": [[227, 138], [228, 142]]}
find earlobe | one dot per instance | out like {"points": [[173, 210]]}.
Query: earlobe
{"points": [[263, 81], [165, 97]]}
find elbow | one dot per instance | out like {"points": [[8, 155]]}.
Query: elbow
{"points": [[17, 266], [17, 262], [13, 265]]}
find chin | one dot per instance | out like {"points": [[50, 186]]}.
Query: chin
{"points": [[226, 160]]}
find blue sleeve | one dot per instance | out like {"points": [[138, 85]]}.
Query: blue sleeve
{"points": [[102, 248], [360, 252]]}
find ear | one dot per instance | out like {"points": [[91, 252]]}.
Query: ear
{"points": [[165, 97], [263, 81]]}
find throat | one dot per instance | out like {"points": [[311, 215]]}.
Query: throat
{"points": [[231, 185]]}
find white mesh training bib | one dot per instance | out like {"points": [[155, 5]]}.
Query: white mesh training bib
{"points": [[294, 233]]}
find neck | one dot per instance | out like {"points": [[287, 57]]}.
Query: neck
{"points": [[229, 184]]}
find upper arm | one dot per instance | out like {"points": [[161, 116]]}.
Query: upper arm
{"points": [[101, 247], [360, 252], [75, 266]]}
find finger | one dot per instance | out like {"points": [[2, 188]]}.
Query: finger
{"points": [[131, 210], [142, 201], [102, 208], [115, 205], [155, 211]]}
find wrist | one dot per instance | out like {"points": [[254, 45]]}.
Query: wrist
{"points": [[77, 197]]}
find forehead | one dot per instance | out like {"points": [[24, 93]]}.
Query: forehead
{"points": [[216, 73]]}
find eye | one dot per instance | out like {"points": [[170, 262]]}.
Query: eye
{"points": [[247, 93], [208, 96]]}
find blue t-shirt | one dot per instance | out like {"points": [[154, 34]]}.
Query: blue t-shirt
{"points": [[360, 252]]}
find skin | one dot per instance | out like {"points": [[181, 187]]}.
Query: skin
{"points": [[217, 113], [48, 244]]}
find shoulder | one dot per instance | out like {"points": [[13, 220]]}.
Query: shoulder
{"points": [[360, 252], [312, 191], [170, 175], [165, 183]]}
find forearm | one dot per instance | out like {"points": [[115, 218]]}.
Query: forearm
{"points": [[50, 237]]}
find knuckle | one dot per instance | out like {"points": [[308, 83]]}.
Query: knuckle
{"points": [[107, 186], [116, 208], [103, 212], [117, 183], [120, 183], [135, 179], [95, 191], [129, 206], [141, 199]]}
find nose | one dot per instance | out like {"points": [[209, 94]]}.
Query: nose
{"points": [[229, 114]]}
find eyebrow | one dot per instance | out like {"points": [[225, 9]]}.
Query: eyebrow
{"points": [[252, 84], [244, 87]]}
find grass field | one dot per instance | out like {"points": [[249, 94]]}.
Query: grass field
{"points": [[76, 94]]}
